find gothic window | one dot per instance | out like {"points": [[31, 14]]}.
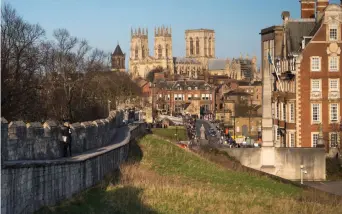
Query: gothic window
{"points": [[143, 52], [205, 47], [197, 46], [167, 51], [209, 46], [159, 52], [191, 46], [136, 52]]}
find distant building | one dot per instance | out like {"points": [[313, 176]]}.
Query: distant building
{"points": [[248, 67], [176, 96], [254, 88], [236, 68], [200, 46], [118, 59], [188, 67]]}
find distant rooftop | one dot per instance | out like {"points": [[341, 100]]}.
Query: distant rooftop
{"points": [[201, 29], [185, 60], [217, 64]]}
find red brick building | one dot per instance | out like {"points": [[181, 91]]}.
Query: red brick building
{"points": [[308, 7], [319, 72], [306, 70], [175, 96]]}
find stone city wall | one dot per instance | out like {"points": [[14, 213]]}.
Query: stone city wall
{"points": [[27, 185], [37, 141], [287, 161]]}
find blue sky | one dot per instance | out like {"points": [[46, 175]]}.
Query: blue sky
{"points": [[103, 23]]}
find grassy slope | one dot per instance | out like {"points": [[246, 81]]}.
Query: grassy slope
{"points": [[169, 179]]}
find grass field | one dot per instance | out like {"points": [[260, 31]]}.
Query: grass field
{"points": [[170, 132], [163, 178]]}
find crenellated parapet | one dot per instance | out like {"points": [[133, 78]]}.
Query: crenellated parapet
{"points": [[139, 32], [42, 141], [163, 31]]}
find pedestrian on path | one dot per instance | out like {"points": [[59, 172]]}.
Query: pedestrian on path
{"points": [[66, 138]]}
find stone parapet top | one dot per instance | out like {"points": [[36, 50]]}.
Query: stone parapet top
{"points": [[122, 138]]}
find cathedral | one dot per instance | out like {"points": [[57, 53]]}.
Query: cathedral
{"points": [[199, 60], [140, 61], [200, 47]]}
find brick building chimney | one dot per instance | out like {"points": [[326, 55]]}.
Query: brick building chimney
{"points": [[309, 8]]}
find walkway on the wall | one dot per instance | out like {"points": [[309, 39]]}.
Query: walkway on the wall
{"points": [[120, 139], [334, 187]]}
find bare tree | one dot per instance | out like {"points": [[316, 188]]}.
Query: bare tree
{"points": [[62, 78], [20, 64]]}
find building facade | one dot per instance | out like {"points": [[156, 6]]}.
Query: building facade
{"points": [[176, 96], [319, 70], [305, 75]]}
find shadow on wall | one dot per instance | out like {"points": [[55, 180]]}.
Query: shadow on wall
{"points": [[110, 196], [135, 153]]}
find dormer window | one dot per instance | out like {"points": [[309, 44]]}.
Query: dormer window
{"points": [[332, 32]]}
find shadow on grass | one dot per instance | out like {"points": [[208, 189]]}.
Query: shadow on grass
{"points": [[112, 199]]}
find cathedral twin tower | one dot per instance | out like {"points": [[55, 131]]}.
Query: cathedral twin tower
{"points": [[200, 44], [162, 43]]}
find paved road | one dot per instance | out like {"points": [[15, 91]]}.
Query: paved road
{"points": [[207, 125], [334, 187]]}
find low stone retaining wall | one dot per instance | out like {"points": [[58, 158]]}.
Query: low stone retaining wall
{"points": [[27, 185], [287, 161]]}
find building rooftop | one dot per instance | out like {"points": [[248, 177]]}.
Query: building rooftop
{"points": [[201, 29], [118, 51], [271, 29], [185, 60], [183, 85], [295, 31], [217, 64]]}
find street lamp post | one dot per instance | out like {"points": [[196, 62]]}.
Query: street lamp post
{"points": [[234, 125]]}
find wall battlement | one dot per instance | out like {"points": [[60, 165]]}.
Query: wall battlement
{"points": [[27, 185], [41, 141]]}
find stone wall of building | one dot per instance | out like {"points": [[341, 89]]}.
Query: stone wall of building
{"points": [[28, 185], [37, 141], [288, 161]]}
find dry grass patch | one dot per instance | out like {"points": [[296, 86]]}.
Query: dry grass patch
{"points": [[168, 179]]}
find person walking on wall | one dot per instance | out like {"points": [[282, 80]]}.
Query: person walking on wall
{"points": [[66, 136]]}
